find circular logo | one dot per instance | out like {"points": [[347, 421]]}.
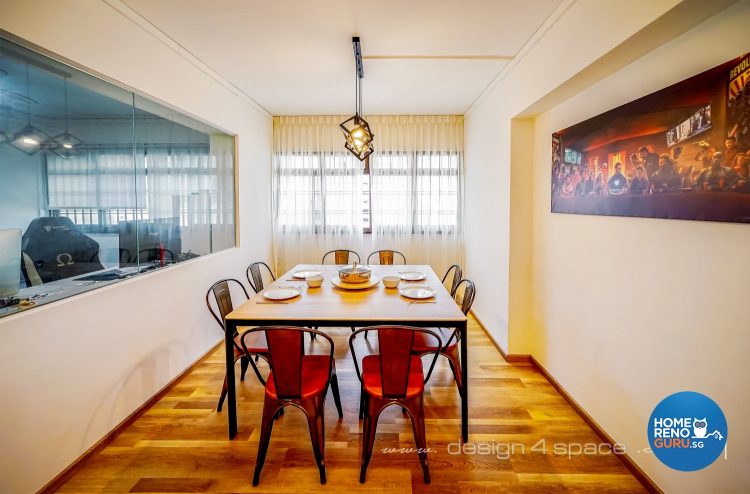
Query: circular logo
{"points": [[687, 431]]}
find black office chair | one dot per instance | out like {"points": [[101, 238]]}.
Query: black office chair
{"points": [[56, 250]]}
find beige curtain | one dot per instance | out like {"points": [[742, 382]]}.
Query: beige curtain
{"points": [[411, 201]]}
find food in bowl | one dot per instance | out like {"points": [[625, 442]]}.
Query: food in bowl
{"points": [[355, 273], [391, 281], [314, 281]]}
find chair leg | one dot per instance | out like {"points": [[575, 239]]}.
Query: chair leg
{"points": [[361, 402], [373, 408], [416, 410], [455, 363], [315, 421], [255, 369], [223, 394], [270, 407], [336, 395], [244, 363]]}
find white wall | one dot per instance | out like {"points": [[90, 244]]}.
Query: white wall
{"points": [[70, 371], [619, 340], [565, 48], [628, 311]]}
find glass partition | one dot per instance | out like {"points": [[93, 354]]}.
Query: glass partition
{"points": [[98, 184]]}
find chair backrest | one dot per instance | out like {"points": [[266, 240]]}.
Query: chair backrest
{"points": [[223, 299], [152, 254], [123, 255], [395, 345], [255, 275], [58, 249], [456, 272], [342, 256], [285, 354], [464, 295], [387, 257]]}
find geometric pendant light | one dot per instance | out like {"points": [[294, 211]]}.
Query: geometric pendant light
{"points": [[29, 139], [65, 145], [356, 130]]}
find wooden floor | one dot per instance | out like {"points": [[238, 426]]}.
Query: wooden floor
{"points": [[181, 445]]}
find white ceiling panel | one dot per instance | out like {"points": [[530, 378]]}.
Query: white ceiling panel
{"points": [[295, 56]]}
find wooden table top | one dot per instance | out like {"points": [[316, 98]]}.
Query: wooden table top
{"points": [[329, 303]]}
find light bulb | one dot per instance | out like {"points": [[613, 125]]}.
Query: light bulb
{"points": [[67, 145], [29, 140]]}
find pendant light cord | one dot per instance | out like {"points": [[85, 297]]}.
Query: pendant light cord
{"points": [[65, 80], [28, 96]]}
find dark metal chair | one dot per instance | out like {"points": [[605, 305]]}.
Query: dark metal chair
{"points": [[457, 274], [155, 254], [449, 338], [122, 254], [298, 380], [386, 257], [258, 347], [255, 275], [394, 376], [342, 256]]}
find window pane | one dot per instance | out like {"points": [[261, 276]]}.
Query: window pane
{"points": [[72, 195]]}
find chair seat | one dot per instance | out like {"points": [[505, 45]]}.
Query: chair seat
{"points": [[372, 380], [425, 343], [314, 377], [256, 343]]}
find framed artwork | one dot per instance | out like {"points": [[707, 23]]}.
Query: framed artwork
{"points": [[681, 153]]}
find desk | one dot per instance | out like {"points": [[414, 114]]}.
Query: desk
{"points": [[333, 307]]}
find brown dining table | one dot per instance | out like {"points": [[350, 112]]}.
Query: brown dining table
{"points": [[331, 306]]}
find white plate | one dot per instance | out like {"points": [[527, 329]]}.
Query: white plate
{"points": [[304, 274], [418, 292], [412, 276], [281, 293], [374, 280]]}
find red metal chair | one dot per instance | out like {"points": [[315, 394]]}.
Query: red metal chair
{"points": [[257, 347], [392, 377], [298, 380], [449, 338]]}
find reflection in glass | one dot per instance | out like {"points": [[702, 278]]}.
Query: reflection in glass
{"points": [[124, 186]]}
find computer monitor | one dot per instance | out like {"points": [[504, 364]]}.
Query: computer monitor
{"points": [[10, 261], [154, 240]]}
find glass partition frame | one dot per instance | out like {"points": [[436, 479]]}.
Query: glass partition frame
{"points": [[166, 209]]}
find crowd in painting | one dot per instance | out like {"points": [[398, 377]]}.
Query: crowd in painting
{"points": [[717, 170]]}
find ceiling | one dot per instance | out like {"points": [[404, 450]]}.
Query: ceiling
{"points": [[294, 57]]}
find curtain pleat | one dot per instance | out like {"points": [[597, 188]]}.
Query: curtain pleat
{"points": [[416, 183]]}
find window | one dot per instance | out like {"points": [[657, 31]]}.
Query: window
{"points": [[100, 184], [417, 191]]}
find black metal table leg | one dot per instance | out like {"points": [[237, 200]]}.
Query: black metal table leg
{"points": [[465, 376], [229, 329]]}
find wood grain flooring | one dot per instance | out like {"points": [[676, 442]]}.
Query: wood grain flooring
{"points": [[180, 444]]}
